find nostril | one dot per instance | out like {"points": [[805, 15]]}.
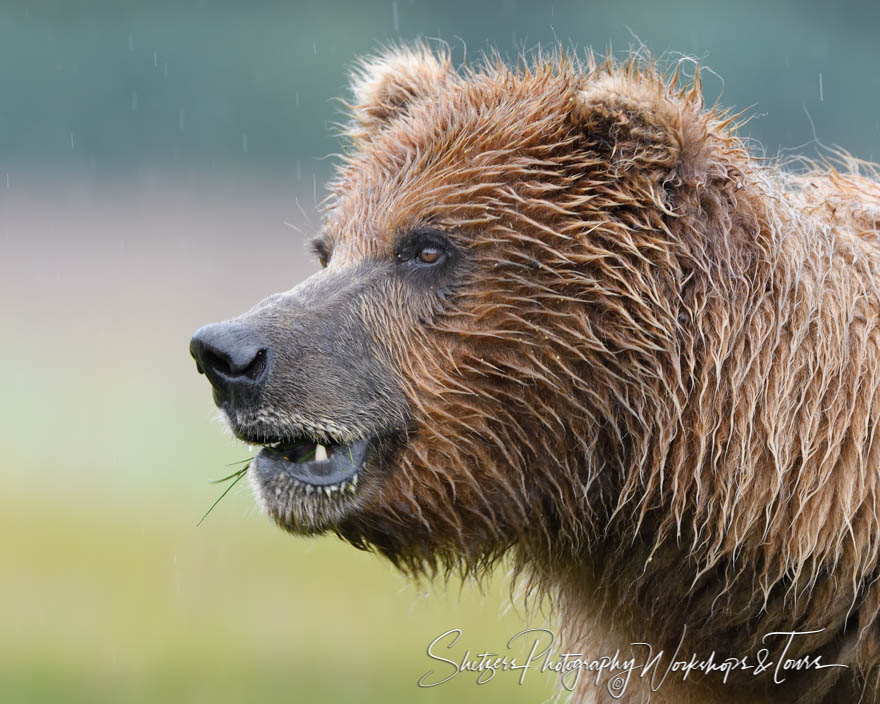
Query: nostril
{"points": [[230, 356], [249, 365], [216, 363]]}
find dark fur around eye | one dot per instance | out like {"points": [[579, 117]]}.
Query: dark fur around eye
{"points": [[425, 248]]}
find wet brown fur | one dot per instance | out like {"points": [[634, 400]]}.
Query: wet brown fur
{"points": [[656, 383]]}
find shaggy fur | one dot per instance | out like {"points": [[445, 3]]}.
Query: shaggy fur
{"points": [[656, 382]]}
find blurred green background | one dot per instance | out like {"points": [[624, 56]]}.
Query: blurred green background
{"points": [[160, 163]]}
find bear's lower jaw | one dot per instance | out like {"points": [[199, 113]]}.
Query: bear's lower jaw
{"points": [[312, 467], [308, 488]]}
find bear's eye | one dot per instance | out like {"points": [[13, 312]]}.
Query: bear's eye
{"points": [[423, 248], [430, 255]]}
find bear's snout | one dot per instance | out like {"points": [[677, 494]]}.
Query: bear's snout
{"points": [[233, 359], [304, 363]]}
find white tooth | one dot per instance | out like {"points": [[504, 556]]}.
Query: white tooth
{"points": [[320, 453], [309, 488], [327, 490]]}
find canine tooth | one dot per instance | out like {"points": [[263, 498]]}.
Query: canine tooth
{"points": [[309, 488], [320, 453], [328, 491]]}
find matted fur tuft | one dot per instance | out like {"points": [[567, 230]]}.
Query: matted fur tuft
{"points": [[657, 384]]}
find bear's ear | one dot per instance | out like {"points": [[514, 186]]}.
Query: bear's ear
{"points": [[385, 86], [639, 122]]}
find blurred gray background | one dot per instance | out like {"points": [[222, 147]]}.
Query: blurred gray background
{"points": [[160, 164]]}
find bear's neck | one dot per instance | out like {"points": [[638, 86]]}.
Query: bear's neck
{"points": [[751, 509]]}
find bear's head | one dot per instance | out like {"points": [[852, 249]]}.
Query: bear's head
{"points": [[500, 335]]}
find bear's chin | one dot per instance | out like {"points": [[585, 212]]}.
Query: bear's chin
{"points": [[313, 495]]}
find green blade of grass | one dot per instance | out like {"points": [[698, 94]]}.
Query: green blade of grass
{"points": [[230, 476], [228, 489], [232, 464]]}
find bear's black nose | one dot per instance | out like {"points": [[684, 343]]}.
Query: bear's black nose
{"points": [[232, 358]]}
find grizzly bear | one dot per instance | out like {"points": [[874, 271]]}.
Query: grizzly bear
{"points": [[565, 316]]}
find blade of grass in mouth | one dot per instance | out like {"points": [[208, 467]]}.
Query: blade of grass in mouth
{"points": [[235, 473], [232, 464], [238, 475]]}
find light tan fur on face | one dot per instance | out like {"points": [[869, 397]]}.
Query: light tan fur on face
{"points": [[656, 382]]}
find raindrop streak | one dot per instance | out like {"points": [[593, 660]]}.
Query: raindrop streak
{"points": [[394, 18], [821, 92], [72, 141]]}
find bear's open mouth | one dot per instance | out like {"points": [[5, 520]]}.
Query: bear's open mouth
{"points": [[328, 467]]}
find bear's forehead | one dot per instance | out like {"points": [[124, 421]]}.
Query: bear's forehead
{"points": [[427, 164]]}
